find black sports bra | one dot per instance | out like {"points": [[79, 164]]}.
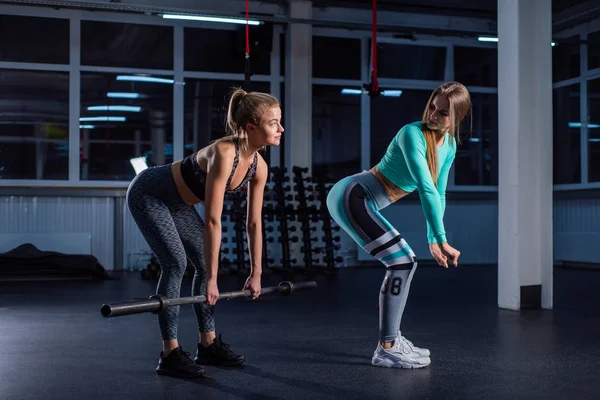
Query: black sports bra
{"points": [[195, 178]]}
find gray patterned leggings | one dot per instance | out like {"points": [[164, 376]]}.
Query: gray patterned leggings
{"points": [[174, 231]]}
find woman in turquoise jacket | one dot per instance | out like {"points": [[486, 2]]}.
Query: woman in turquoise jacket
{"points": [[418, 158]]}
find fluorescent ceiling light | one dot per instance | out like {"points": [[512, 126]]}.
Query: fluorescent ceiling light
{"points": [[123, 95], [144, 78], [495, 39], [578, 125], [207, 18], [351, 91], [386, 93], [103, 118], [138, 164], [87, 126], [115, 108], [392, 93], [594, 140]]}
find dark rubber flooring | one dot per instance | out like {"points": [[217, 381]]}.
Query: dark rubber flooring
{"points": [[313, 345]]}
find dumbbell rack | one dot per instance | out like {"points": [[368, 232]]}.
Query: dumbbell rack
{"points": [[294, 212], [238, 215], [305, 214], [227, 265], [280, 213], [302, 210], [331, 243]]}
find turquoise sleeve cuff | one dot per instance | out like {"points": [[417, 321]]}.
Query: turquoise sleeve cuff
{"points": [[437, 239]]}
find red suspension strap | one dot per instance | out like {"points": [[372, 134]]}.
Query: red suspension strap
{"points": [[247, 69], [373, 87], [374, 47]]}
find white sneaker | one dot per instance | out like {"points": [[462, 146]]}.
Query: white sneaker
{"points": [[398, 356], [407, 343]]}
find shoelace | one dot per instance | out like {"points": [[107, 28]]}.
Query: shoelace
{"points": [[408, 343], [221, 345], [184, 356]]}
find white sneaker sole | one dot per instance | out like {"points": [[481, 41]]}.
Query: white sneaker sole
{"points": [[387, 363]]}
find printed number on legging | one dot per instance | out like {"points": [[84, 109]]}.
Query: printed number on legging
{"points": [[394, 287]]}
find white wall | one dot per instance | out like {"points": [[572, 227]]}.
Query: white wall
{"points": [[50, 221], [577, 230]]}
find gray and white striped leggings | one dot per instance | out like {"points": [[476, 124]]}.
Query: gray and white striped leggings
{"points": [[354, 203], [174, 231]]}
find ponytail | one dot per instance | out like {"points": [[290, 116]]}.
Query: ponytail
{"points": [[234, 105]]}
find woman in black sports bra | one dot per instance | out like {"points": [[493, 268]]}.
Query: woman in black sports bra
{"points": [[161, 200]]}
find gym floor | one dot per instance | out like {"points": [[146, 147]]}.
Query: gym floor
{"points": [[315, 344]]}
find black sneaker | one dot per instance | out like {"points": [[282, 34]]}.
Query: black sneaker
{"points": [[218, 353], [179, 364]]}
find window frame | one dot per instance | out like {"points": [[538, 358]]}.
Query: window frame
{"points": [[275, 78], [75, 69], [585, 75]]}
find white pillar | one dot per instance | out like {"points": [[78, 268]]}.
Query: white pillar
{"points": [[137, 146], [275, 151], [178, 95], [41, 151], [298, 93], [158, 134], [85, 156], [202, 129], [74, 100], [525, 248]]}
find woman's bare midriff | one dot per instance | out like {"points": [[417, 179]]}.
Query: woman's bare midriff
{"points": [[184, 191], [394, 193]]}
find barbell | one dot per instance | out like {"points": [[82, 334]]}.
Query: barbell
{"points": [[158, 303]]}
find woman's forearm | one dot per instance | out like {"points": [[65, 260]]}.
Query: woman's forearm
{"points": [[212, 247], [254, 234]]}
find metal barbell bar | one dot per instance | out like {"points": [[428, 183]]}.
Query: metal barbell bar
{"points": [[157, 303]]}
